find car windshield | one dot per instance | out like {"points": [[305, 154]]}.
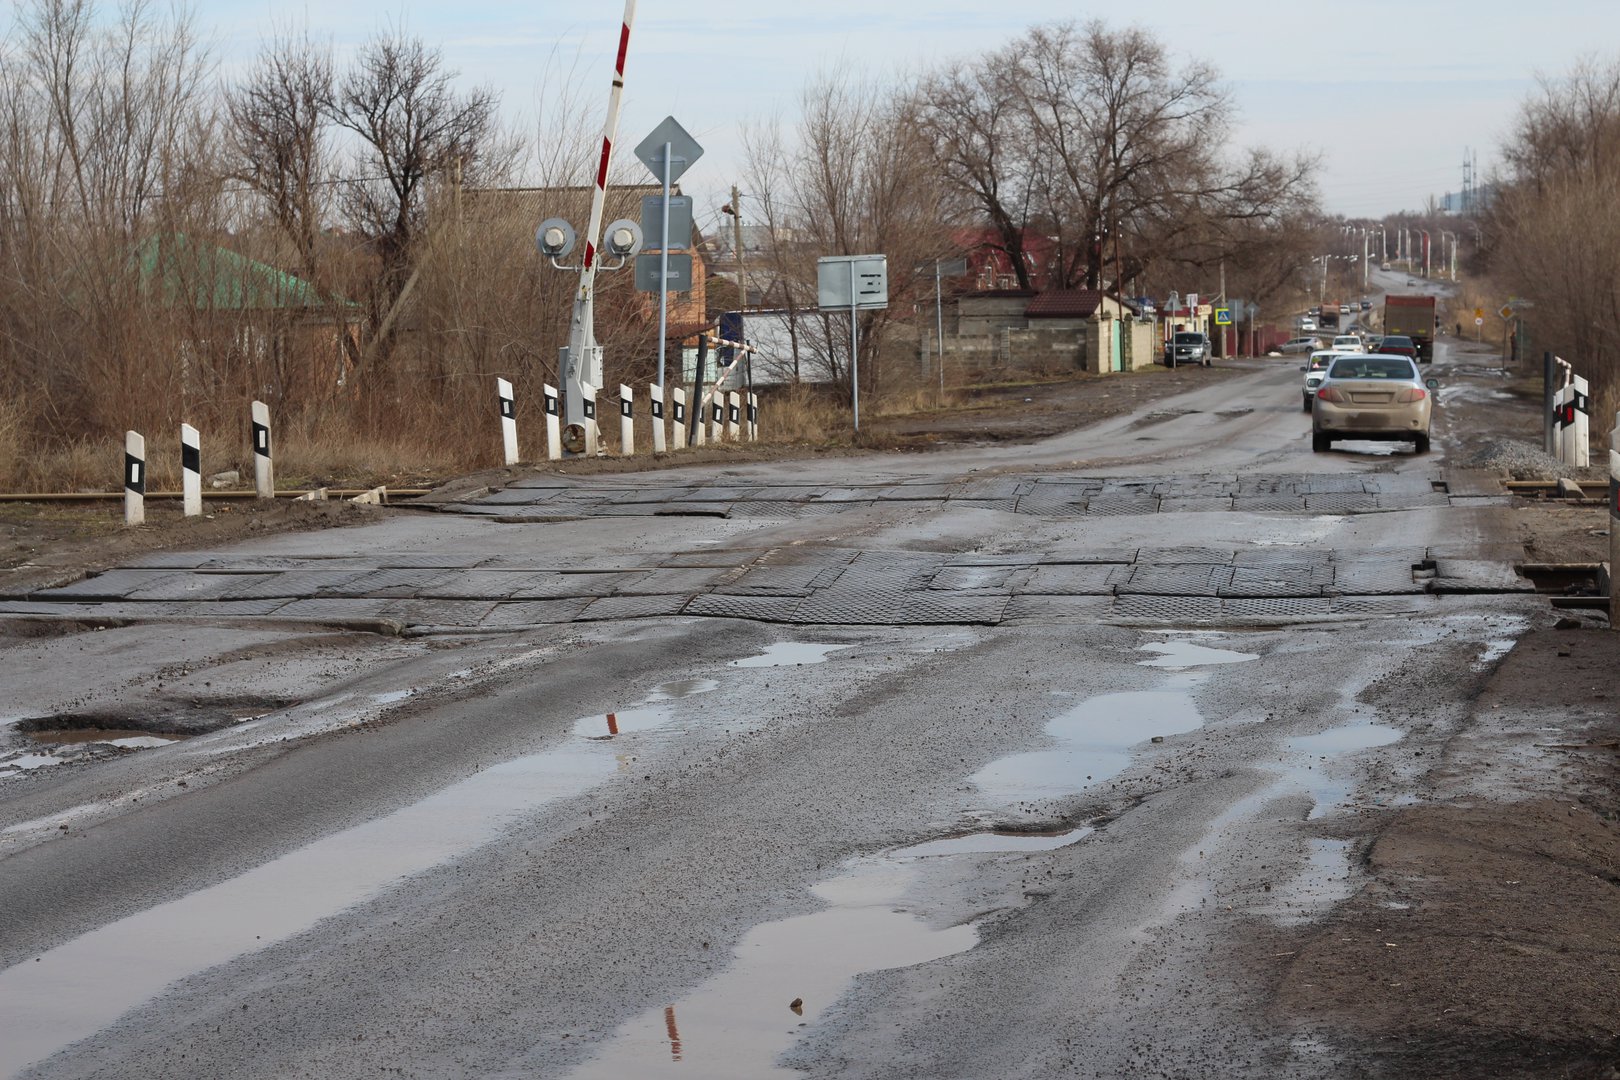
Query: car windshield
{"points": [[1189, 339], [1371, 368]]}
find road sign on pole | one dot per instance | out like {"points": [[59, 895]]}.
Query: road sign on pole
{"points": [[668, 152], [859, 283]]}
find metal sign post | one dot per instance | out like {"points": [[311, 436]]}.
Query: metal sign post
{"points": [[668, 152], [859, 283], [943, 268]]}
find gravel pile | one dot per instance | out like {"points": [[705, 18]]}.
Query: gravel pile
{"points": [[1517, 460]]}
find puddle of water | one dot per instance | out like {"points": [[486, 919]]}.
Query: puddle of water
{"points": [[1330, 782], [994, 843], [1492, 651], [115, 736], [654, 712], [28, 762], [1323, 880], [790, 654], [80, 987], [1178, 654], [1098, 734], [392, 696], [783, 976]]}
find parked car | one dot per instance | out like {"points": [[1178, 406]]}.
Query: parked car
{"points": [[1315, 371], [1187, 347], [1372, 397], [1300, 344], [1346, 343], [1398, 345]]}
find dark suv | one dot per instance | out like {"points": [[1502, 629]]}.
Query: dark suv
{"points": [[1187, 347]]}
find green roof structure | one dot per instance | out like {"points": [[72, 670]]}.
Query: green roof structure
{"points": [[209, 277]]}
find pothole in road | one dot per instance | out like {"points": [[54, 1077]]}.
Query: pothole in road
{"points": [[995, 843], [783, 976], [789, 654], [1098, 733], [650, 714], [1315, 766]]}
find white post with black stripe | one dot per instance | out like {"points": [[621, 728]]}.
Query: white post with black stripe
{"points": [[627, 421], [588, 399], [1614, 524], [700, 422], [190, 471], [753, 417], [717, 415], [134, 478], [733, 416], [677, 427], [553, 423], [264, 472], [655, 399], [503, 390], [1581, 430]]}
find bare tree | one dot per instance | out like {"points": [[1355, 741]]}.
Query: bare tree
{"points": [[1553, 228], [413, 128], [1092, 137], [859, 180]]}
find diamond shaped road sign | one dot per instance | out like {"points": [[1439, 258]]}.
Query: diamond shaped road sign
{"points": [[683, 149]]}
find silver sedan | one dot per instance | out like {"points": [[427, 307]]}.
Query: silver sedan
{"points": [[1372, 397]]}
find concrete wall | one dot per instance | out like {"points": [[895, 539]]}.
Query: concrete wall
{"points": [[980, 315]]}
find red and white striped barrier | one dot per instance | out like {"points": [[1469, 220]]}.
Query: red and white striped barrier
{"points": [[264, 473], [509, 439], [677, 426], [627, 421], [655, 398], [134, 478], [190, 471], [553, 423]]}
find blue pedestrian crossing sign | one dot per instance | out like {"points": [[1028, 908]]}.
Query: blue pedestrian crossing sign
{"points": [[1223, 316]]}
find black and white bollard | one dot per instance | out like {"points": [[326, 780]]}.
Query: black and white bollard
{"points": [[134, 478], [717, 415], [655, 399], [553, 423], [503, 389], [190, 471], [264, 473], [733, 416], [700, 422], [588, 398], [677, 427], [627, 421], [753, 417], [1614, 524]]}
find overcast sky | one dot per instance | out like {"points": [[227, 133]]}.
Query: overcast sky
{"points": [[1390, 92]]}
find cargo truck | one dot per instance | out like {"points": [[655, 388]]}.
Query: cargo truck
{"points": [[1330, 317], [1413, 317]]}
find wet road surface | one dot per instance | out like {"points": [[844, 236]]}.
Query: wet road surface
{"points": [[951, 765]]}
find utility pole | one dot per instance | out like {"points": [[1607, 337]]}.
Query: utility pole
{"points": [[737, 244]]}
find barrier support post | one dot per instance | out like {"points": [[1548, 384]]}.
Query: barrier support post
{"points": [[134, 478], [264, 473], [190, 471]]}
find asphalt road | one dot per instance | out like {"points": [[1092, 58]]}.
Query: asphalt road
{"points": [[976, 779]]}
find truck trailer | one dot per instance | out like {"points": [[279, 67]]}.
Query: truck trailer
{"points": [[1413, 317]]}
